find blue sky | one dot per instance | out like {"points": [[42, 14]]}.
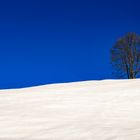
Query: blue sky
{"points": [[44, 42]]}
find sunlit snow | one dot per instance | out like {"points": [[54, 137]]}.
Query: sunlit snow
{"points": [[90, 110]]}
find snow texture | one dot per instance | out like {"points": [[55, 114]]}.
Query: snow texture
{"points": [[90, 110]]}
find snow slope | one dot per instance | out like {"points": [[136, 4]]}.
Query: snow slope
{"points": [[92, 110]]}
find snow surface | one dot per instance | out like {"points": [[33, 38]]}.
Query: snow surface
{"points": [[91, 110]]}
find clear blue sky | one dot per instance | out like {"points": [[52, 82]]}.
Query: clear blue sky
{"points": [[51, 41]]}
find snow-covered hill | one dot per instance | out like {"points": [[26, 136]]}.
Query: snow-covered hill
{"points": [[92, 110]]}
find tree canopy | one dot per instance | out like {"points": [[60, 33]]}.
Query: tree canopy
{"points": [[125, 56]]}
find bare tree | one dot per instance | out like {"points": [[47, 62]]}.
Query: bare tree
{"points": [[125, 56]]}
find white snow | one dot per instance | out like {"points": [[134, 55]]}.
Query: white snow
{"points": [[91, 110]]}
